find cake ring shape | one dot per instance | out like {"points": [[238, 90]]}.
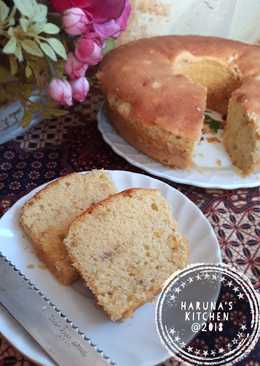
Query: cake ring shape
{"points": [[157, 90]]}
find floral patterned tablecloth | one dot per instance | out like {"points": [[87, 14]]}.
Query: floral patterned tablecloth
{"points": [[73, 143]]}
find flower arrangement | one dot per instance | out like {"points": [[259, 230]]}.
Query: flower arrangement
{"points": [[49, 46]]}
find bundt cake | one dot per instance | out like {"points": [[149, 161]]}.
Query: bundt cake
{"points": [[157, 90]]}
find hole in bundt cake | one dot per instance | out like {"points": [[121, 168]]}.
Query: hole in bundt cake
{"points": [[219, 79]]}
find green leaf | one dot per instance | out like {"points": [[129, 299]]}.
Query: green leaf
{"points": [[36, 107], [27, 117], [26, 7], [18, 53], [32, 47], [40, 14], [36, 28], [48, 51], [58, 47], [13, 65], [24, 24], [32, 10], [54, 112], [10, 46], [51, 28], [11, 32], [11, 21], [4, 11], [213, 124], [110, 44], [28, 72]]}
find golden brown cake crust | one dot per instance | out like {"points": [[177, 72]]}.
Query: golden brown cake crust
{"points": [[115, 257], [127, 70], [45, 218], [146, 81], [153, 141], [162, 81]]}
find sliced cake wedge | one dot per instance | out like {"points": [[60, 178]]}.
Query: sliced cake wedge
{"points": [[242, 130], [125, 248], [47, 215]]}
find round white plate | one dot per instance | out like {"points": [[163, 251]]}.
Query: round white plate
{"points": [[132, 342], [212, 166]]}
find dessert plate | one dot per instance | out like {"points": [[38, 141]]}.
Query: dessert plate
{"points": [[132, 342], [212, 166]]}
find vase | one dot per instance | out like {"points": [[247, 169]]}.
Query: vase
{"points": [[11, 116]]}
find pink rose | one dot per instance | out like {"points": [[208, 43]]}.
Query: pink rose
{"points": [[74, 21], [74, 68], [114, 27], [107, 30], [60, 91], [100, 10], [80, 89], [104, 10], [88, 51], [123, 19]]}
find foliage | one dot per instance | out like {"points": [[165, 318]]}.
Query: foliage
{"points": [[213, 124], [110, 44], [33, 56], [30, 54]]}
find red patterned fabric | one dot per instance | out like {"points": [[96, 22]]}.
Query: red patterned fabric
{"points": [[73, 143]]}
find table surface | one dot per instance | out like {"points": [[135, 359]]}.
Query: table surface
{"points": [[73, 143]]}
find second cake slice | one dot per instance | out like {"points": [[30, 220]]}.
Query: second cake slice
{"points": [[125, 248], [47, 215]]}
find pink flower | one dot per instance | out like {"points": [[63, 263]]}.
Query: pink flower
{"points": [[108, 29], [80, 89], [88, 51], [60, 91], [74, 21], [104, 10], [114, 27], [123, 18], [74, 68], [100, 10]]}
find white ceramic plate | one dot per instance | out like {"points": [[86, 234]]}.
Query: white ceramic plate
{"points": [[212, 166], [133, 342]]}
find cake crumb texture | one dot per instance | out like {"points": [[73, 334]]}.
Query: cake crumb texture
{"points": [[125, 248], [47, 215]]}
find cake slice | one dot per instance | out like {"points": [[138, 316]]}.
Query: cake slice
{"points": [[242, 131], [47, 215], [125, 248]]}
